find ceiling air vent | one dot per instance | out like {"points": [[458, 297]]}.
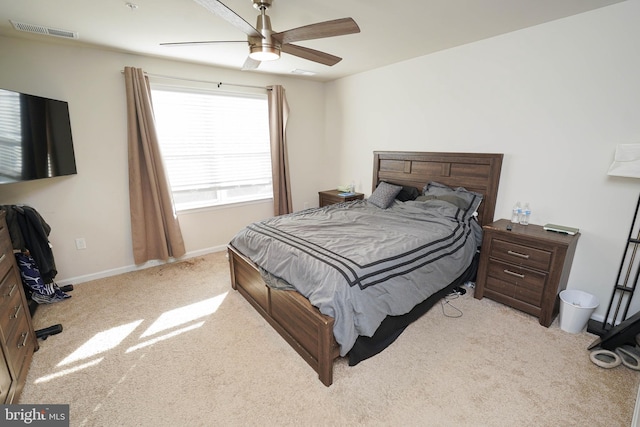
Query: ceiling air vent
{"points": [[46, 31], [303, 72]]}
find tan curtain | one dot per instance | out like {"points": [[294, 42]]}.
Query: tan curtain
{"points": [[278, 116], [155, 231]]}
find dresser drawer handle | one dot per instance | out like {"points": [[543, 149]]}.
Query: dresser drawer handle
{"points": [[13, 288], [512, 273], [518, 254], [24, 339], [15, 314]]}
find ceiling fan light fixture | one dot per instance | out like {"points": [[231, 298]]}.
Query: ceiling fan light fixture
{"points": [[264, 53]]}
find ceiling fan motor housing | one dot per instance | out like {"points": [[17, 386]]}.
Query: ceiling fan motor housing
{"points": [[264, 48]]}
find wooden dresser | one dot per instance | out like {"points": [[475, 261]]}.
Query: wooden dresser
{"points": [[525, 268], [331, 197], [17, 338]]}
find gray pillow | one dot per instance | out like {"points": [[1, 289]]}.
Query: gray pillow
{"points": [[450, 198], [384, 195], [467, 201]]}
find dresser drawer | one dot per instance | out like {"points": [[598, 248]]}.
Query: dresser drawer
{"points": [[520, 254], [517, 282], [12, 308], [19, 344], [6, 252], [9, 290]]}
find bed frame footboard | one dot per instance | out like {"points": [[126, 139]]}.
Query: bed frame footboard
{"points": [[301, 324]]}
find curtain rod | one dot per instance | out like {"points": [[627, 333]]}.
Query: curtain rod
{"points": [[219, 84]]}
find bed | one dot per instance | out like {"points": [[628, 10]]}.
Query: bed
{"points": [[321, 338]]}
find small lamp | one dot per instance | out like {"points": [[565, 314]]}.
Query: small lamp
{"points": [[626, 163]]}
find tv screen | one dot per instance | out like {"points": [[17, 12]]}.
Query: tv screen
{"points": [[35, 138]]}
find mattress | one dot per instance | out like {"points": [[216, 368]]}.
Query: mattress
{"points": [[359, 263]]}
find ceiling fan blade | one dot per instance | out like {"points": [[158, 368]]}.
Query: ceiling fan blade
{"points": [[230, 16], [250, 64], [311, 54], [202, 42], [337, 27]]}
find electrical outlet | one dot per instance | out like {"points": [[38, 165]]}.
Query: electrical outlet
{"points": [[81, 243]]}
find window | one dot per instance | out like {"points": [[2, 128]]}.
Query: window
{"points": [[10, 136], [215, 146]]}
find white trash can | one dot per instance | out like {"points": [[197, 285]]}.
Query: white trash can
{"points": [[576, 307]]}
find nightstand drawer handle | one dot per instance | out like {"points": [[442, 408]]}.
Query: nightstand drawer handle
{"points": [[512, 273], [518, 254]]}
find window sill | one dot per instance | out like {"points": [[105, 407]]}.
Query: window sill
{"points": [[194, 210]]}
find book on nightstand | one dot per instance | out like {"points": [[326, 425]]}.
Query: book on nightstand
{"points": [[561, 229]]}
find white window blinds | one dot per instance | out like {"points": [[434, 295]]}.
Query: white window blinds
{"points": [[215, 146], [10, 135]]}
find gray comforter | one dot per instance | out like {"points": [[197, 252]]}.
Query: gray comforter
{"points": [[358, 263]]}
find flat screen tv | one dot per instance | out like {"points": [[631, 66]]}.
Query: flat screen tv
{"points": [[35, 138]]}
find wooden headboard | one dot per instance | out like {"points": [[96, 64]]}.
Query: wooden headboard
{"points": [[479, 172]]}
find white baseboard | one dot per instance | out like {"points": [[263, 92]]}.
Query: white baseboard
{"points": [[129, 268], [600, 318]]}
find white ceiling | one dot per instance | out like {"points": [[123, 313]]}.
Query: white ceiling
{"points": [[391, 31]]}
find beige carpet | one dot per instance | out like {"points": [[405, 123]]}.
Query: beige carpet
{"points": [[175, 346]]}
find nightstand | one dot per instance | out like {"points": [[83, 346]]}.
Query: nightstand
{"points": [[331, 197], [525, 268]]}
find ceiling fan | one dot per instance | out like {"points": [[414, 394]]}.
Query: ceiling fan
{"points": [[266, 45]]}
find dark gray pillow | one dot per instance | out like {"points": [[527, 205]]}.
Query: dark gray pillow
{"points": [[466, 200], [407, 193], [384, 195]]}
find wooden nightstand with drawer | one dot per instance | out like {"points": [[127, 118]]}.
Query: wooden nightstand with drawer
{"points": [[525, 268], [331, 197]]}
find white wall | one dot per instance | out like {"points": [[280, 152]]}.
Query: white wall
{"points": [[94, 204], [555, 99]]}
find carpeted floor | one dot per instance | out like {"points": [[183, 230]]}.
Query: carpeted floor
{"points": [[175, 345]]}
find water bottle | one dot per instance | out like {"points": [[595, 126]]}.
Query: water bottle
{"points": [[526, 213], [515, 214]]}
